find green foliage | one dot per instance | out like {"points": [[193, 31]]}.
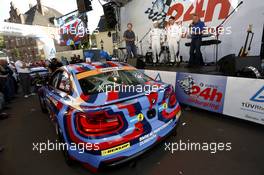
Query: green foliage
{"points": [[16, 52]]}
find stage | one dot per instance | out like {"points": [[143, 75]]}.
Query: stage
{"points": [[207, 69]]}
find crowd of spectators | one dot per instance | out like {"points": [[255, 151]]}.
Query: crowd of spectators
{"points": [[8, 87], [13, 74]]}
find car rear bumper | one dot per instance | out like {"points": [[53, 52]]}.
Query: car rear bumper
{"points": [[119, 160]]}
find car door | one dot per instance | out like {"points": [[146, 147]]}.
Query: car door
{"points": [[61, 92], [51, 94], [59, 89]]}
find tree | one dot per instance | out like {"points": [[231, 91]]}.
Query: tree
{"points": [[16, 53]]}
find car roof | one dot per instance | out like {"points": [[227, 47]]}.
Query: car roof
{"points": [[83, 67]]}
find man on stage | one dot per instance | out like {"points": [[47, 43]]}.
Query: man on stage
{"points": [[129, 36], [156, 35], [174, 34], [196, 30]]}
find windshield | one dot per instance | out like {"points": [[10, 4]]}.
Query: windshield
{"points": [[102, 82]]}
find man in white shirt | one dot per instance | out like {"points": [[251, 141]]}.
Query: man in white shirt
{"points": [[174, 34], [156, 36], [24, 77]]}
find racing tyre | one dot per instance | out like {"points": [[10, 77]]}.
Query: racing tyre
{"points": [[69, 161], [42, 105]]}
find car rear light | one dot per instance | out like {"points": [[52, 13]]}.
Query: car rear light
{"points": [[172, 100], [98, 123], [168, 91], [170, 94]]}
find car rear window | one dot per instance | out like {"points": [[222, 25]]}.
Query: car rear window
{"points": [[100, 82]]}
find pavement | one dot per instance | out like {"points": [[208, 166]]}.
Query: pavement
{"points": [[27, 125]]}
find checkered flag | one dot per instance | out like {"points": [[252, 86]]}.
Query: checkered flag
{"points": [[161, 15], [187, 85]]}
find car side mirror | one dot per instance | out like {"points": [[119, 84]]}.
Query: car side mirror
{"points": [[64, 95]]}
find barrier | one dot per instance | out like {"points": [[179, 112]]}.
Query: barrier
{"points": [[237, 97], [245, 99]]}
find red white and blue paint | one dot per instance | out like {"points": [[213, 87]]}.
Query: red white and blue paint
{"points": [[117, 125]]}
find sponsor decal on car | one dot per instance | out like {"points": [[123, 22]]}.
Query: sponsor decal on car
{"points": [[163, 107], [109, 69], [140, 117], [115, 149], [152, 135]]}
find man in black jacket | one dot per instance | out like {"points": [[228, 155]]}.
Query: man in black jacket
{"points": [[130, 37], [54, 65]]}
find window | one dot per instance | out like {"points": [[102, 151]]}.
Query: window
{"points": [[64, 84], [55, 79], [92, 84]]}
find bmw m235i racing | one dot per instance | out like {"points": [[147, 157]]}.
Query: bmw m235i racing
{"points": [[113, 109]]}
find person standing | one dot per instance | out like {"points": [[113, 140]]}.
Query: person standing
{"points": [[130, 37], [155, 41], [174, 34], [24, 77], [196, 30], [54, 65], [78, 59]]}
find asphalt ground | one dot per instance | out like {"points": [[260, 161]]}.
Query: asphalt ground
{"points": [[27, 125]]}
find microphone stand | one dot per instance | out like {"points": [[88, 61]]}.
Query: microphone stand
{"points": [[140, 41], [217, 34]]}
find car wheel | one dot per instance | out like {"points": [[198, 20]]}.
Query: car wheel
{"points": [[69, 161], [42, 105]]}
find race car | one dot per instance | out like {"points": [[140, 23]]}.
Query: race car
{"points": [[114, 111]]}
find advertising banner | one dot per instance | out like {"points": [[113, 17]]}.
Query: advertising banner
{"points": [[46, 35], [163, 76], [71, 29], [212, 12], [244, 99], [201, 91]]}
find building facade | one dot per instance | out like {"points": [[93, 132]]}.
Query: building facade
{"points": [[26, 47]]}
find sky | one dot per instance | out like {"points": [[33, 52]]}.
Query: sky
{"points": [[63, 6]]}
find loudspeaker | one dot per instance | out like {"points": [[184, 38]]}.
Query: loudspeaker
{"points": [[84, 5], [230, 65], [140, 62], [110, 15], [149, 57]]}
